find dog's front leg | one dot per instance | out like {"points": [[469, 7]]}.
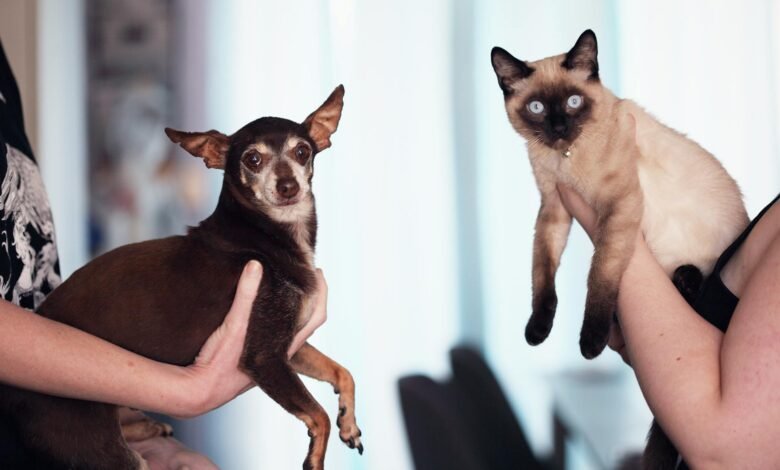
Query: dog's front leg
{"points": [[312, 363], [279, 381], [552, 229]]}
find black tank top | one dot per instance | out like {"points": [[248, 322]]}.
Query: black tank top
{"points": [[715, 302]]}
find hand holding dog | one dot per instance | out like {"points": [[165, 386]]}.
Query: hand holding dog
{"points": [[216, 368]]}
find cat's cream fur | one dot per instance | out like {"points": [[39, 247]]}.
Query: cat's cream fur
{"points": [[636, 173], [688, 208]]}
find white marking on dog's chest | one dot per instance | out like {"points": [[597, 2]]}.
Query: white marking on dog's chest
{"points": [[306, 311], [300, 233]]}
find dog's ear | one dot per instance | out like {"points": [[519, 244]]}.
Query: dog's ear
{"points": [[211, 146], [325, 120]]}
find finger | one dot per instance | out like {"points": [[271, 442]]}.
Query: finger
{"points": [[317, 318], [246, 291]]}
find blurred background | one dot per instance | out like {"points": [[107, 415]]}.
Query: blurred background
{"points": [[426, 200]]}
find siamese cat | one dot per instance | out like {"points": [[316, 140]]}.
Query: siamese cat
{"points": [[636, 173]]}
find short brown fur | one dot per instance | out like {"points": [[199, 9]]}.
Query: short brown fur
{"points": [[598, 152], [163, 298]]}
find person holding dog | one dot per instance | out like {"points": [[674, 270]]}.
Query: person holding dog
{"points": [[710, 375], [53, 358]]}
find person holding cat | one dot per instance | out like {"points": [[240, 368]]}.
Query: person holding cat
{"points": [[50, 357], [714, 390]]}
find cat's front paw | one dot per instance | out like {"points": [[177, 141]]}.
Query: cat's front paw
{"points": [[595, 332], [541, 321]]}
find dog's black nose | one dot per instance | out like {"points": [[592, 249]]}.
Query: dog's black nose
{"points": [[287, 187]]}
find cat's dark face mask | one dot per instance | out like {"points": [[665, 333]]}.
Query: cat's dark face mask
{"points": [[549, 106], [556, 115]]}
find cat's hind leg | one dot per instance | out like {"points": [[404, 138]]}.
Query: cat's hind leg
{"points": [[688, 280]]}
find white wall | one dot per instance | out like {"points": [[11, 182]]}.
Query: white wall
{"points": [[385, 201], [62, 144]]}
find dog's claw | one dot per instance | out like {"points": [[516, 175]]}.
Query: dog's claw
{"points": [[351, 443], [360, 449]]}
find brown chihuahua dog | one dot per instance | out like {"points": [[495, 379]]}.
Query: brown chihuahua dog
{"points": [[163, 298]]}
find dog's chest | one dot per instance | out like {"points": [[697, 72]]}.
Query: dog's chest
{"points": [[306, 310]]}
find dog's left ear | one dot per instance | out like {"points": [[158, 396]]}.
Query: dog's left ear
{"points": [[325, 120], [211, 146]]}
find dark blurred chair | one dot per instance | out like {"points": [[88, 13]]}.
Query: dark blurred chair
{"points": [[500, 439], [438, 436], [464, 424]]}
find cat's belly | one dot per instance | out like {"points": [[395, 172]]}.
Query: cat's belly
{"points": [[689, 217]]}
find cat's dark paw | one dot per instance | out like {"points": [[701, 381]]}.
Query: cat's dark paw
{"points": [[688, 280], [595, 331], [540, 323]]}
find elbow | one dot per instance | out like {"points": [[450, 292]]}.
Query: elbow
{"points": [[717, 451]]}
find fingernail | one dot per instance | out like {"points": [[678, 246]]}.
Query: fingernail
{"points": [[253, 267]]}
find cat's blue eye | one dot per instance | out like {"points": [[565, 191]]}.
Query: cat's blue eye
{"points": [[536, 107], [574, 101]]}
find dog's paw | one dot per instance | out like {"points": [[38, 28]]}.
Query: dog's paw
{"points": [[541, 321], [349, 433], [145, 429]]}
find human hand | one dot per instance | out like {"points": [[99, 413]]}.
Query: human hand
{"points": [[579, 209], [616, 342], [317, 318], [150, 439], [215, 372], [166, 453]]}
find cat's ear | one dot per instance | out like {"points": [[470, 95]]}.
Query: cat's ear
{"points": [[509, 70], [584, 56]]}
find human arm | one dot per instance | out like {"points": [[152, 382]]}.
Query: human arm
{"points": [[715, 395], [53, 358]]}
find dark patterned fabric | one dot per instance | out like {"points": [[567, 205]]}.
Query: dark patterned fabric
{"points": [[29, 267]]}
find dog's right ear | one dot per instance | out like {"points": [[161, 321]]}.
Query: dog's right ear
{"points": [[211, 146], [509, 70], [323, 122]]}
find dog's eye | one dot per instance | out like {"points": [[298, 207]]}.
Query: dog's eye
{"points": [[252, 159], [574, 101], [302, 153]]}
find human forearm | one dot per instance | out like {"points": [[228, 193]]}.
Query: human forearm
{"points": [[53, 358], [675, 354]]}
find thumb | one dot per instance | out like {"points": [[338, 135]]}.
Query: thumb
{"points": [[237, 318]]}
